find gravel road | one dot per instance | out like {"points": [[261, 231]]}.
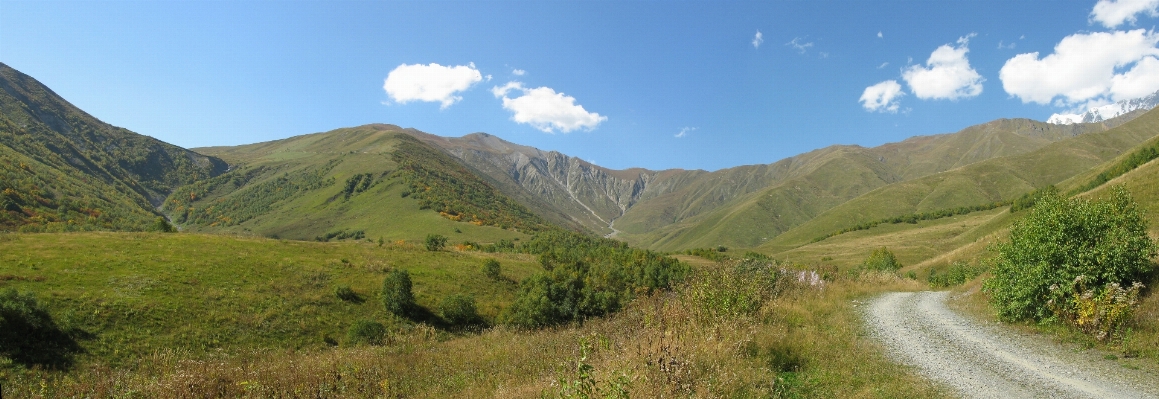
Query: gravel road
{"points": [[979, 360]]}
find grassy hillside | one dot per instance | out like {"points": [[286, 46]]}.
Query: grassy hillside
{"points": [[167, 315], [809, 184], [372, 179], [128, 295], [995, 180], [62, 169]]}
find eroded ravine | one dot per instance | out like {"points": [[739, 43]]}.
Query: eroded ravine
{"points": [[977, 360]]}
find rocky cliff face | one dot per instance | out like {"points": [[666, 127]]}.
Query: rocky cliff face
{"points": [[590, 195]]}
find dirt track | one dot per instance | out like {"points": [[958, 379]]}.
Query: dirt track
{"points": [[976, 360]]}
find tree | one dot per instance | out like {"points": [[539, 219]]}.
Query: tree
{"points": [[1066, 244], [435, 242], [396, 293]]}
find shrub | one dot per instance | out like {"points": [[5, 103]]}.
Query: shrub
{"points": [[459, 309], [396, 293], [162, 225], [731, 291], [435, 242], [957, 274], [1102, 314], [1104, 242], [366, 332], [491, 269], [345, 293], [881, 259]]}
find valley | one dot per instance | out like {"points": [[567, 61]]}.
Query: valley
{"points": [[382, 261]]}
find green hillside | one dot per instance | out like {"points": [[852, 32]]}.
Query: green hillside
{"points": [[62, 169], [995, 180], [126, 295], [371, 179], [804, 186]]}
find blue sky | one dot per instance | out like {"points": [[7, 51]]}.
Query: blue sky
{"points": [[615, 83]]}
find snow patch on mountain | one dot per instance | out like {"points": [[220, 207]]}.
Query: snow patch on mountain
{"points": [[1099, 114]]}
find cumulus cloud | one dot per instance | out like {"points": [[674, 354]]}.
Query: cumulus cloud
{"points": [[758, 39], [546, 110], [518, 72], [1084, 67], [798, 44], [684, 131], [883, 65], [1112, 13], [946, 75], [879, 36], [1005, 46], [430, 83], [882, 97]]}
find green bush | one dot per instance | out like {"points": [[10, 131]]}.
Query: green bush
{"points": [[162, 225], [491, 269], [730, 291], [345, 293], [957, 274], [585, 276], [396, 293], [881, 259], [29, 336], [435, 242], [458, 309], [1103, 242], [366, 332]]}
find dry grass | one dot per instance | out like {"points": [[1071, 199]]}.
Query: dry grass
{"points": [[802, 342]]}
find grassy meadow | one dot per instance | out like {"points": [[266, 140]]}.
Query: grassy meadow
{"points": [[242, 317]]}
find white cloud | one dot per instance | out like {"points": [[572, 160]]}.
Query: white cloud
{"points": [[684, 131], [882, 97], [1112, 13], [1003, 46], [758, 39], [430, 83], [947, 74], [800, 47], [518, 72], [546, 110], [1084, 67], [883, 65], [488, 77], [879, 36]]}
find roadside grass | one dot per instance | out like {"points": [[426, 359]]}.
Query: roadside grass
{"points": [[135, 294], [268, 304]]}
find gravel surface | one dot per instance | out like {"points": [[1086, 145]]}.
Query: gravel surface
{"points": [[980, 360]]}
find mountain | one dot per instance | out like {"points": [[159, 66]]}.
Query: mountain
{"points": [[740, 206], [985, 182], [372, 181], [63, 169], [1099, 114]]}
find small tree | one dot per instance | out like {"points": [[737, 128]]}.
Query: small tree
{"points": [[435, 242], [881, 259], [396, 293], [491, 269], [1062, 243], [459, 309]]}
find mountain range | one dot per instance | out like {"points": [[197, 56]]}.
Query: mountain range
{"points": [[62, 169], [1105, 112]]}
